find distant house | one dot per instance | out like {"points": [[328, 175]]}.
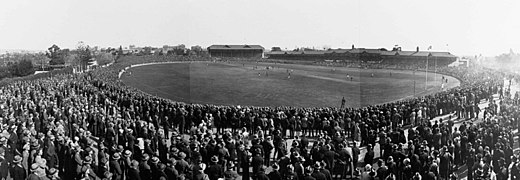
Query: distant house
{"points": [[241, 51]]}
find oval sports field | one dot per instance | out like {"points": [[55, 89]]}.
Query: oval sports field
{"points": [[269, 84]]}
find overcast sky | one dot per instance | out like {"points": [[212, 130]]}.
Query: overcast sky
{"points": [[464, 27]]}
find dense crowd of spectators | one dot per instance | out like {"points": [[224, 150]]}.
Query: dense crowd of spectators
{"points": [[92, 126]]}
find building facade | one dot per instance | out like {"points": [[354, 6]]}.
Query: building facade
{"points": [[236, 51]]}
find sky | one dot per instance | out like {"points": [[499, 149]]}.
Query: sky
{"points": [[463, 27]]}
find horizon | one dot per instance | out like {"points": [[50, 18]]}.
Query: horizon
{"points": [[463, 28]]}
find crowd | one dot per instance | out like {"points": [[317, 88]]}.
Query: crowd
{"points": [[92, 126]]}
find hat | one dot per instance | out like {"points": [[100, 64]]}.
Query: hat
{"points": [[42, 163], [127, 153], [17, 159], [202, 166], [134, 164], [108, 175], [309, 170], [116, 156], [88, 160], [182, 155], [34, 167], [368, 167], [52, 171], [155, 160], [300, 159], [317, 165], [120, 148], [230, 164], [275, 166], [146, 157], [214, 159], [161, 166]]}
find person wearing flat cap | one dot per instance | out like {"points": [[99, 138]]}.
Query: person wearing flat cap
{"points": [[17, 171]]}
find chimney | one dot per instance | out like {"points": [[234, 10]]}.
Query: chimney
{"points": [[417, 49]]}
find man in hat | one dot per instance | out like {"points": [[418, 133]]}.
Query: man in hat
{"points": [[17, 171], [145, 171], [261, 174], [34, 175], [244, 161], [317, 173], [53, 174], [170, 170], [86, 170], [275, 173], [230, 174], [3, 165], [182, 165], [126, 161], [257, 162], [214, 170], [115, 167], [369, 156], [154, 166], [298, 166], [308, 173], [133, 171], [329, 156]]}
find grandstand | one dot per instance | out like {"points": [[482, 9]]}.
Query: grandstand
{"points": [[383, 57]]}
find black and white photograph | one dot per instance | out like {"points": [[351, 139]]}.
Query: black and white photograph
{"points": [[259, 90]]}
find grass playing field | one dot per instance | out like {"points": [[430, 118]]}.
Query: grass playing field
{"points": [[251, 83]]}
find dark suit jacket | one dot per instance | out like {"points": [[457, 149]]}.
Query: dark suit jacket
{"points": [[215, 171], [33, 177], [17, 173], [275, 175], [133, 174], [262, 176], [4, 168]]}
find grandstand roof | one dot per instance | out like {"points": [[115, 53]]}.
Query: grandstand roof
{"points": [[405, 53], [442, 54], [338, 51], [372, 51], [421, 53], [235, 47], [361, 50], [297, 52], [389, 53]]}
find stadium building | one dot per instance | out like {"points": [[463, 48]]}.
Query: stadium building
{"points": [[370, 56], [238, 51]]}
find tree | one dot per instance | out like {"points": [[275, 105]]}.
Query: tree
{"points": [[84, 55], [55, 54], [24, 68]]}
